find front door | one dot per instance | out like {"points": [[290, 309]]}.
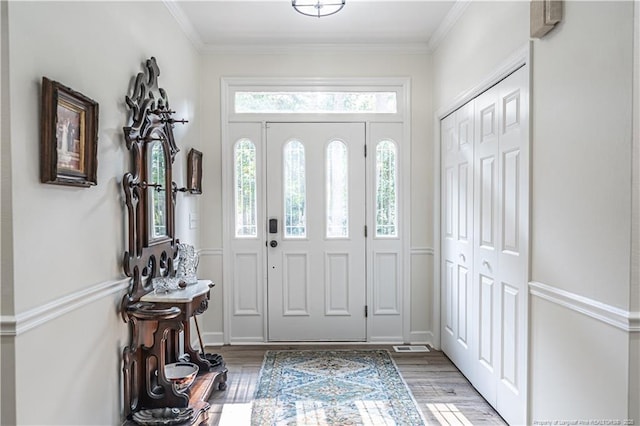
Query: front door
{"points": [[316, 231]]}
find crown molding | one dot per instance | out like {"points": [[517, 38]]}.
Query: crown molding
{"points": [[315, 48], [447, 24], [299, 48], [184, 23]]}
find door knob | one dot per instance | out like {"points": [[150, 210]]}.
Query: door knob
{"points": [[273, 243]]}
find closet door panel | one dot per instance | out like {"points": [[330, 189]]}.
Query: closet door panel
{"points": [[486, 349], [510, 336], [485, 303], [511, 202], [513, 253], [448, 307], [449, 179], [487, 187], [464, 298], [457, 132]]}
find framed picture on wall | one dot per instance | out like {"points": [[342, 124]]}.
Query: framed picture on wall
{"points": [[68, 137], [194, 171]]}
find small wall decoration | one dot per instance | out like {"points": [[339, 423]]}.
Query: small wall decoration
{"points": [[194, 171], [544, 15], [69, 136]]}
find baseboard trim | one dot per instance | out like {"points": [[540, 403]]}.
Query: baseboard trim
{"points": [[213, 339], [421, 338], [390, 340], [32, 318], [248, 341], [619, 318]]}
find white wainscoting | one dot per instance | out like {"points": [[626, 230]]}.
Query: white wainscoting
{"points": [[575, 353], [421, 327], [15, 325], [620, 318], [422, 296], [211, 321]]}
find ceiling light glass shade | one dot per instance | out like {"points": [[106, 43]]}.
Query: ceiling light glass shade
{"points": [[318, 8]]}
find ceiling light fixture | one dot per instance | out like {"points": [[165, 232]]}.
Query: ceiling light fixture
{"points": [[317, 8]]}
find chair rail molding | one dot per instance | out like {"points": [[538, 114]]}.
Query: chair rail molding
{"points": [[426, 251], [210, 252], [624, 320], [11, 325]]}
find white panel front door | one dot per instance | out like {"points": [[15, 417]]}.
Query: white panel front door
{"points": [[315, 231]]}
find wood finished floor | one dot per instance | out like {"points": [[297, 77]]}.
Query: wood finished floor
{"points": [[443, 394]]}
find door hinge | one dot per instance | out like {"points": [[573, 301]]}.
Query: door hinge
{"points": [[366, 311], [365, 150], [365, 231]]}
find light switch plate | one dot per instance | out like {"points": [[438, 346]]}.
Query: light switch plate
{"points": [[193, 220]]}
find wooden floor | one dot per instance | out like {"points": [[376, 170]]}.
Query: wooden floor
{"points": [[443, 394]]}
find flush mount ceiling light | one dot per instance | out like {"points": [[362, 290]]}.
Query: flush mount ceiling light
{"points": [[317, 8]]}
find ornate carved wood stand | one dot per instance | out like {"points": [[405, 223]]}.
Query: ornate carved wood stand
{"points": [[156, 320]]}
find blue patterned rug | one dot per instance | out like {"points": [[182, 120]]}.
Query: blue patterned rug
{"points": [[332, 387]]}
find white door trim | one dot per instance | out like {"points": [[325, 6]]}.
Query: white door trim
{"points": [[519, 58], [403, 86]]}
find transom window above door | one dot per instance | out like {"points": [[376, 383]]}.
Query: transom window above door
{"points": [[313, 102]]}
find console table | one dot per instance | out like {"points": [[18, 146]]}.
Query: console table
{"points": [[157, 321]]}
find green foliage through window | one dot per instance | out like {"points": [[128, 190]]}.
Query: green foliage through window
{"points": [[246, 215], [316, 102], [386, 190], [337, 174], [157, 195], [295, 192]]}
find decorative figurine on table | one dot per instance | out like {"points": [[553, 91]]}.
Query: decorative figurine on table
{"points": [[187, 263]]}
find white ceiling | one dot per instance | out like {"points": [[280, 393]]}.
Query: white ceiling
{"points": [[232, 25]]}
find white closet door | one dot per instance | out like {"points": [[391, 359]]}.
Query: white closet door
{"points": [[485, 229], [513, 246], [486, 304], [457, 249], [500, 270]]}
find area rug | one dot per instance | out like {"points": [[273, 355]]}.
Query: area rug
{"points": [[332, 387]]}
